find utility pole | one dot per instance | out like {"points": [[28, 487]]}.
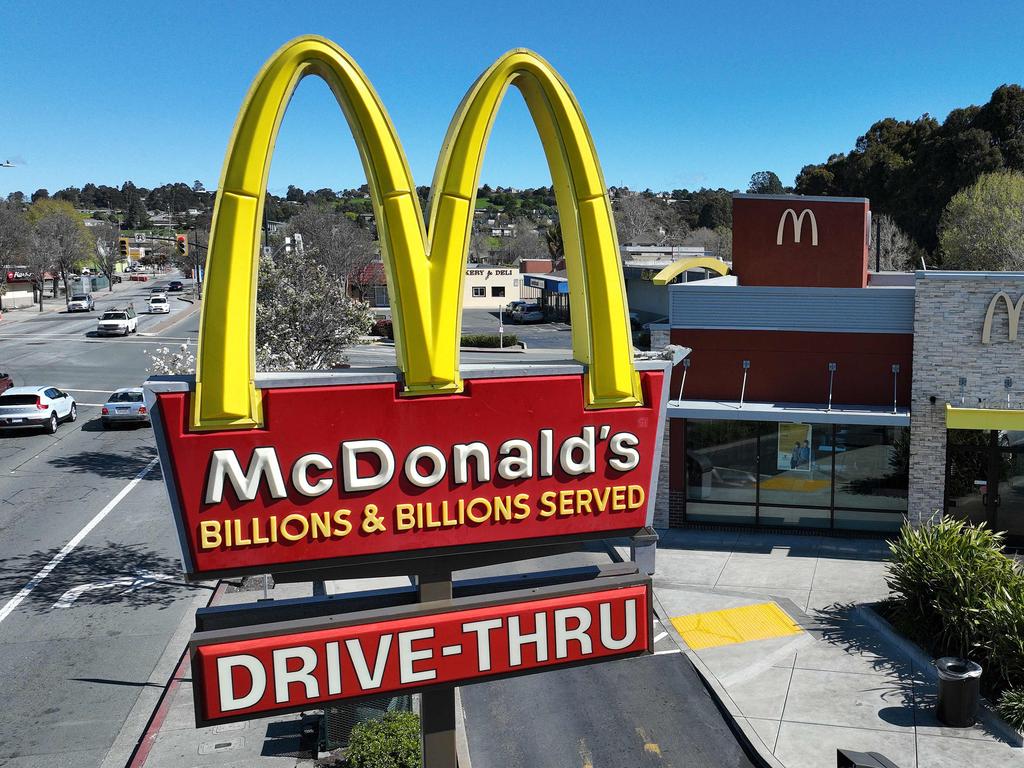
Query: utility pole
{"points": [[878, 245]]}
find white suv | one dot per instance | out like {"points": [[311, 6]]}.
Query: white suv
{"points": [[117, 322], [46, 407]]}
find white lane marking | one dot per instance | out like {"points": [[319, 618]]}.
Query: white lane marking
{"points": [[661, 636], [133, 584], [47, 569], [662, 653]]}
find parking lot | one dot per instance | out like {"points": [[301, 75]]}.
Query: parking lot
{"points": [[536, 335]]}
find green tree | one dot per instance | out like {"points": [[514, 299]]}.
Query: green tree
{"points": [[60, 230], [135, 215], [983, 226], [765, 183]]}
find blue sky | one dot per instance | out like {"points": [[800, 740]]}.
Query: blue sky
{"points": [[677, 94]]}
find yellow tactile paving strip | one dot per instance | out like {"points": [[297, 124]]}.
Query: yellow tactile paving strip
{"points": [[735, 625]]}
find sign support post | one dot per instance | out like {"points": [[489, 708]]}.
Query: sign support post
{"points": [[437, 708]]}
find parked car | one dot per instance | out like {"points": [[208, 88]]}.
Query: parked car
{"points": [[5, 382], [81, 302], [515, 306], [175, 286], [522, 310], [530, 316], [30, 407], [158, 304], [125, 406], [118, 322]]}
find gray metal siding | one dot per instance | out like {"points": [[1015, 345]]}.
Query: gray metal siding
{"points": [[826, 310]]}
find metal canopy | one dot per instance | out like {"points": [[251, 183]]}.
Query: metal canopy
{"points": [[806, 413]]}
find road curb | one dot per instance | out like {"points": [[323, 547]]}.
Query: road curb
{"points": [[171, 321], [132, 744]]}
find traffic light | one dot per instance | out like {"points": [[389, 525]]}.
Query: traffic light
{"points": [[182, 244], [122, 247]]}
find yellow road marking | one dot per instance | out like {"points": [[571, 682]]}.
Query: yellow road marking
{"points": [[734, 625]]}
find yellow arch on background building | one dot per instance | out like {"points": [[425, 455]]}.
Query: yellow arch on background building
{"points": [[676, 268], [425, 276]]}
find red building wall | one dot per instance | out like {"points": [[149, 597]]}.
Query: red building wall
{"points": [[792, 366], [840, 258]]}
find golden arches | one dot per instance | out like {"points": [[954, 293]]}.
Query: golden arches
{"points": [[425, 277], [676, 268]]}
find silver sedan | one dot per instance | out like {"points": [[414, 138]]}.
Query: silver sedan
{"points": [[125, 406]]}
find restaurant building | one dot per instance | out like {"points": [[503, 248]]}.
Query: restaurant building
{"points": [[823, 396]]}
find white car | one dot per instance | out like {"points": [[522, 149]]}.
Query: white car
{"points": [[158, 304], [117, 322], [29, 407], [81, 302]]}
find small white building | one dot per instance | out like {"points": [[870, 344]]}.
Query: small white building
{"points": [[487, 287]]}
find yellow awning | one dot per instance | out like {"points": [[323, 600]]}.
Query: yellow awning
{"points": [[984, 418]]}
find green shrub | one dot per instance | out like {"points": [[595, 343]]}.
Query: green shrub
{"points": [[1006, 658], [952, 583], [489, 340], [1011, 708], [391, 742]]}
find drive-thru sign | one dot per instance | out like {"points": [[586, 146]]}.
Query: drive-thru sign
{"points": [[298, 471]]}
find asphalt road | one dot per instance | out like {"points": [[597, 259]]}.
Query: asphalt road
{"points": [[648, 711], [83, 618]]}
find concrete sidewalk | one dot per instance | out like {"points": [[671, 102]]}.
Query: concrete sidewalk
{"points": [[777, 634], [817, 675]]}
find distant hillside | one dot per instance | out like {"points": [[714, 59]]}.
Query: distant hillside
{"points": [[911, 168]]}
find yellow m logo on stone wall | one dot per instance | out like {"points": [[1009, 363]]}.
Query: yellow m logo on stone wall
{"points": [[424, 266], [1012, 316]]}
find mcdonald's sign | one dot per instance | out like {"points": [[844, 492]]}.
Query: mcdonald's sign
{"points": [[276, 472], [798, 224], [1012, 316]]}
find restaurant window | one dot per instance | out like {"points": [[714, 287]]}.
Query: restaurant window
{"points": [[479, 292], [797, 474], [498, 291], [721, 471]]}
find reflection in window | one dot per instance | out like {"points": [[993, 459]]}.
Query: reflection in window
{"points": [[721, 460], [796, 465], [872, 466], [796, 474]]}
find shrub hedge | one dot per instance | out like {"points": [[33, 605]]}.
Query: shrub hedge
{"points": [[956, 593], [489, 340], [390, 742]]}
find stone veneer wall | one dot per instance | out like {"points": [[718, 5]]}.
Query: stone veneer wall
{"points": [[661, 501], [949, 312]]}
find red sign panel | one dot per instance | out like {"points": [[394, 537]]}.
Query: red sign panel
{"points": [[243, 678], [356, 471]]}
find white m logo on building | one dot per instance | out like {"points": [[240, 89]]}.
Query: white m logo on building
{"points": [[798, 223], [1012, 316]]}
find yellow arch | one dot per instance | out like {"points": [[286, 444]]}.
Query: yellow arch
{"points": [[425, 278], [676, 268], [601, 333]]}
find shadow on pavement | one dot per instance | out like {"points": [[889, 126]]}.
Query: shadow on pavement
{"points": [[110, 465], [96, 425], [128, 576]]}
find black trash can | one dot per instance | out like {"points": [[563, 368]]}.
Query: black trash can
{"points": [[959, 691]]}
